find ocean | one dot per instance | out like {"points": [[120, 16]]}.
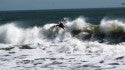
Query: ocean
{"points": [[93, 39]]}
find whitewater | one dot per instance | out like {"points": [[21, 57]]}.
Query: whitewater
{"points": [[81, 46]]}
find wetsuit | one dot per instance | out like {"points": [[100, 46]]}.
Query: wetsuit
{"points": [[60, 25]]}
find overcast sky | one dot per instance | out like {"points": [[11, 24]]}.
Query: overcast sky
{"points": [[56, 4]]}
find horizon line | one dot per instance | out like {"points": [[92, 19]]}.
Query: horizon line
{"points": [[58, 9]]}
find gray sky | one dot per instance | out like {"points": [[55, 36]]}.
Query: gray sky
{"points": [[56, 4]]}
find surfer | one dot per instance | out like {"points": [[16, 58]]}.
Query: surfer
{"points": [[60, 25]]}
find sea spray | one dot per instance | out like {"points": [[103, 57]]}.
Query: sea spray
{"points": [[77, 24], [12, 34]]}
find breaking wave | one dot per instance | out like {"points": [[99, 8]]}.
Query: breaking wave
{"points": [[108, 31]]}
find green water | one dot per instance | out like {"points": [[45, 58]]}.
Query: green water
{"points": [[40, 17]]}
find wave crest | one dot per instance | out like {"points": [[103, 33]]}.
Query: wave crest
{"points": [[109, 26]]}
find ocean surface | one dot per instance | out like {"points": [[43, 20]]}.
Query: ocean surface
{"points": [[93, 39]]}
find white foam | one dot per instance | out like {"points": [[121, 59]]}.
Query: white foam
{"points": [[12, 34], [77, 24], [64, 50]]}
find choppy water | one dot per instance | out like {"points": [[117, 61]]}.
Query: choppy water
{"points": [[94, 44]]}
